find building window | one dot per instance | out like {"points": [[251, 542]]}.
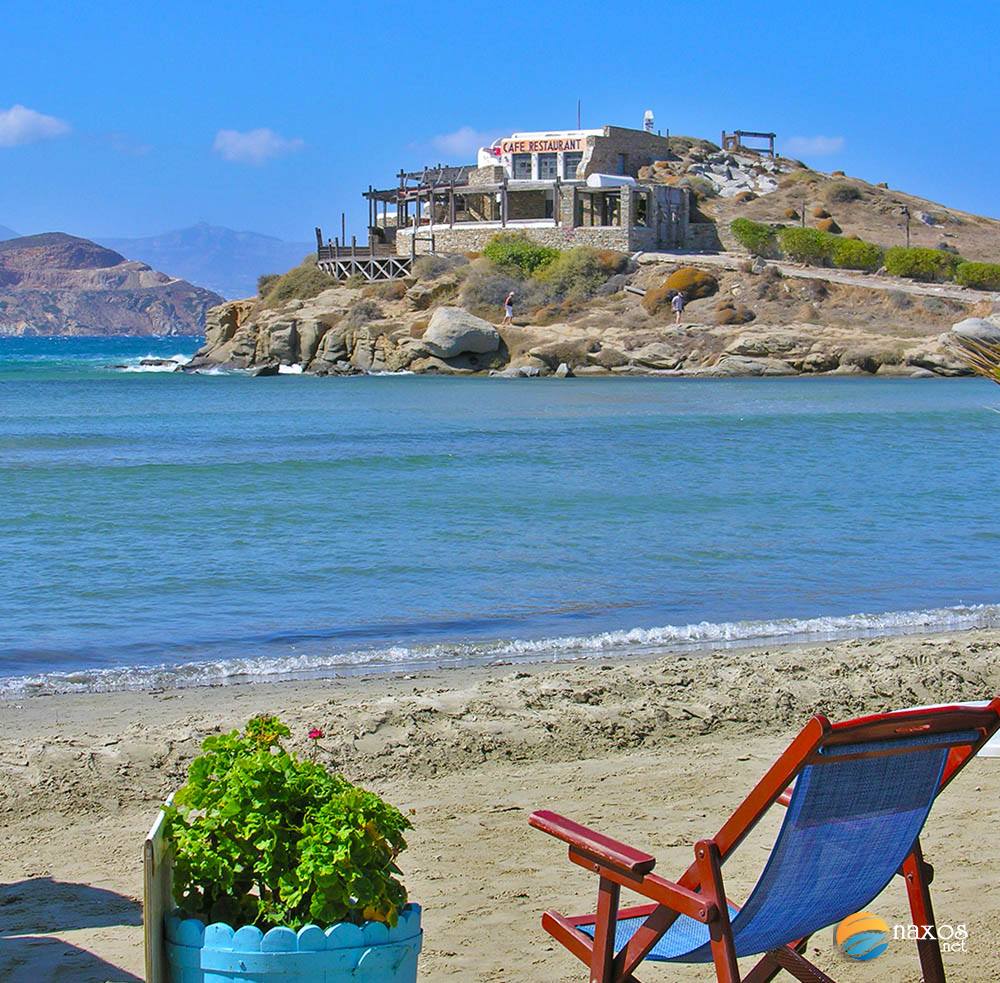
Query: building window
{"points": [[623, 163], [571, 162], [522, 167], [611, 208], [548, 167], [640, 209]]}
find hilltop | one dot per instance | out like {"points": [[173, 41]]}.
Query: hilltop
{"points": [[57, 284], [6, 233], [787, 192], [223, 260]]}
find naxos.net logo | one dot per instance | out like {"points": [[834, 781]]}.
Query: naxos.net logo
{"points": [[865, 936]]}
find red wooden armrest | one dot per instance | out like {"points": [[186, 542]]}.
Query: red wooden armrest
{"points": [[603, 848]]}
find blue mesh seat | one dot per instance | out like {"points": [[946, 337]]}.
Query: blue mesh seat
{"points": [[850, 824]]}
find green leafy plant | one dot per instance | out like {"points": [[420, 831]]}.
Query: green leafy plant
{"points": [[856, 254], [299, 283], [840, 192], [755, 237], [515, 253], [264, 837], [979, 276], [921, 263], [807, 245], [579, 272]]}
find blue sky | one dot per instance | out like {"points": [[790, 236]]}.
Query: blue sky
{"points": [[122, 119]]}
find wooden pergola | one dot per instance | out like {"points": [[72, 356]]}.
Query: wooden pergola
{"points": [[734, 141]]}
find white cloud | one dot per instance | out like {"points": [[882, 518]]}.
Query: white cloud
{"points": [[254, 146], [818, 146], [20, 125], [463, 142]]}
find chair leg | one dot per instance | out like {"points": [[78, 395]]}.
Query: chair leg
{"points": [[800, 967], [918, 877], [720, 931], [603, 959], [769, 968]]}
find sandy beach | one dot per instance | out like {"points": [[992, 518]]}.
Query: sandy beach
{"points": [[657, 752]]}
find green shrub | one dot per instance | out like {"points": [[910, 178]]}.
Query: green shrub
{"points": [[577, 273], [693, 283], [699, 186], [265, 282], [389, 290], [755, 237], [921, 263], [855, 254], [432, 265], [484, 290], [300, 283], [515, 253], [263, 837], [362, 312], [809, 246], [841, 191], [979, 276]]}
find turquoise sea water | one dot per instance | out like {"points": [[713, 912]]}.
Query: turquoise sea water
{"points": [[166, 529]]}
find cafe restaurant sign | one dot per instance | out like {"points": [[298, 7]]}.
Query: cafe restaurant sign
{"points": [[540, 146]]}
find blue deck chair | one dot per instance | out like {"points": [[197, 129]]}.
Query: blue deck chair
{"points": [[857, 794]]}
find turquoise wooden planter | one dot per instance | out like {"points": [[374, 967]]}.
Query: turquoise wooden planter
{"points": [[372, 953]]}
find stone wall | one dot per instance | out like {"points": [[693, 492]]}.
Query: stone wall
{"points": [[472, 240], [526, 204], [642, 148], [486, 175]]}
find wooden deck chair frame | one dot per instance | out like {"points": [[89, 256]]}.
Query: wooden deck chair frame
{"points": [[700, 893]]}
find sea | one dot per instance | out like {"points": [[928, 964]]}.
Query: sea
{"points": [[161, 529]]}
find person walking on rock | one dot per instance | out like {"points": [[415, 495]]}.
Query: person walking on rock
{"points": [[677, 305], [508, 309]]}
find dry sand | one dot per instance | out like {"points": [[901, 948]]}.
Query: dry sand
{"points": [[656, 752]]}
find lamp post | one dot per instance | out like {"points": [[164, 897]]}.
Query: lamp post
{"points": [[905, 212]]}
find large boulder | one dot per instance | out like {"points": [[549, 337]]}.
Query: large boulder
{"points": [[573, 351], [453, 331], [656, 355], [980, 329], [744, 365], [426, 293], [283, 342]]}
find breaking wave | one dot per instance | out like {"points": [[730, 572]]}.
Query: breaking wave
{"points": [[154, 363], [293, 664]]}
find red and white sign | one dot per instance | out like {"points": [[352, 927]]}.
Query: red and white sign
{"points": [[545, 146]]}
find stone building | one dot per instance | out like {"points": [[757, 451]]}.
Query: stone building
{"points": [[561, 188]]}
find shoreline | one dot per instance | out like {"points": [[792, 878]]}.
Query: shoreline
{"points": [[657, 751], [446, 656]]}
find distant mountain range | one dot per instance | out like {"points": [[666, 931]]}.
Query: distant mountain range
{"points": [[6, 233], [220, 259], [56, 284]]}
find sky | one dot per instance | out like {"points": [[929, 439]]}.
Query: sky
{"points": [[127, 119]]}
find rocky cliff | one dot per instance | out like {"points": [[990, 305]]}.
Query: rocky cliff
{"points": [[56, 284], [753, 321]]}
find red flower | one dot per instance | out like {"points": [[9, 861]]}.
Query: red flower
{"points": [[315, 734]]}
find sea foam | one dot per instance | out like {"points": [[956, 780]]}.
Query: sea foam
{"points": [[665, 639]]}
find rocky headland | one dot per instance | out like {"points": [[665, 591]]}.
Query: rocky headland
{"points": [[57, 284], [595, 312], [797, 324]]}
